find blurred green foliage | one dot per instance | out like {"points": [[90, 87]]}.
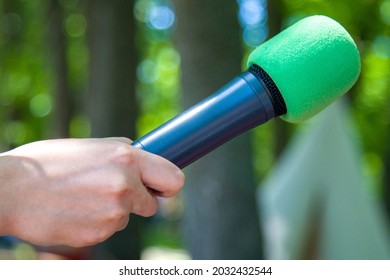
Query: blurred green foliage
{"points": [[159, 69], [26, 75]]}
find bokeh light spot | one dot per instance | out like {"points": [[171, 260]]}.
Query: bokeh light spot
{"points": [[76, 25], [161, 17], [40, 105]]}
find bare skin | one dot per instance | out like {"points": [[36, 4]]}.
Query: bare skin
{"points": [[79, 192]]}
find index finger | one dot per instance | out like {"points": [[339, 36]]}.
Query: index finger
{"points": [[159, 174]]}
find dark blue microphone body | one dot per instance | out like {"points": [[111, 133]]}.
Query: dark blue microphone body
{"points": [[242, 104]]}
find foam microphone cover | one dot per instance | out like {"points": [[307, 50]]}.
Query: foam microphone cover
{"points": [[313, 62]]}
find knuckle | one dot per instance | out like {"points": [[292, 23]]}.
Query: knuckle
{"points": [[93, 237], [96, 239], [101, 228], [116, 215], [148, 210], [124, 154], [117, 220], [84, 240], [120, 188], [123, 223]]}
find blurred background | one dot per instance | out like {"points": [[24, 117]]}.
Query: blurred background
{"points": [[95, 68]]}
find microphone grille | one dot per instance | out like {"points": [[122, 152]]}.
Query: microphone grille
{"points": [[271, 88]]}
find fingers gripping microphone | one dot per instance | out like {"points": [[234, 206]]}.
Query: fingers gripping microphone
{"points": [[294, 75]]}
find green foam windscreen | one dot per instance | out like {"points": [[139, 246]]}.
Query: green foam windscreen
{"points": [[313, 62]]}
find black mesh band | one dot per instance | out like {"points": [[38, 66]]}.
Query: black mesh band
{"points": [[271, 88]]}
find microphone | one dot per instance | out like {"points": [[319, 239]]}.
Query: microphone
{"points": [[294, 75]]}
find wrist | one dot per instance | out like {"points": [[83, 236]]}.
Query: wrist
{"points": [[10, 182], [5, 224]]}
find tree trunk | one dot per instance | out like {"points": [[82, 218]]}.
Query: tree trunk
{"points": [[113, 60], [111, 101], [62, 95], [221, 219]]}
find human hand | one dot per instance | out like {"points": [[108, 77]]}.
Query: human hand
{"points": [[78, 192]]}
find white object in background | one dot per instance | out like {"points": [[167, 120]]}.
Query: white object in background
{"points": [[316, 198]]}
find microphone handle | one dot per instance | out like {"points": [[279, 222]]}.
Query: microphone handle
{"points": [[240, 105]]}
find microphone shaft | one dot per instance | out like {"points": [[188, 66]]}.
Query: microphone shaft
{"points": [[240, 105]]}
